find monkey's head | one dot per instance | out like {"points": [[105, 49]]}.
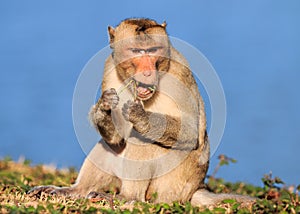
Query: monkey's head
{"points": [[141, 49]]}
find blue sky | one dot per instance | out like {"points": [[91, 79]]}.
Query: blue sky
{"points": [[254, 46]]}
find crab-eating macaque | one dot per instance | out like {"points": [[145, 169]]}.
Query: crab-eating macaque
{"points": [[152, 121]]}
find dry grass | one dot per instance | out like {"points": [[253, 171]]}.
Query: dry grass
{"points": [[17, 178]]}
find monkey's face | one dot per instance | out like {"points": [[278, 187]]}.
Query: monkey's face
{"points": [[139, 55], [141, 63]]}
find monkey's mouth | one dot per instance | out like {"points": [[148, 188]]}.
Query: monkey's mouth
{"points": [[144, 91]]}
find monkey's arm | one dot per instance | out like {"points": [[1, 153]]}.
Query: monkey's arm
{"points": [[100, 116], [166, 130]]}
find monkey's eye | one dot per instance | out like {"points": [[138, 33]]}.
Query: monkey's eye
{"points": [[153, 50], [137, 50]]}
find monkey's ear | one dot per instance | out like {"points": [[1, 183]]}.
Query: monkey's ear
{"points": [[111, 33], [164, 24]]}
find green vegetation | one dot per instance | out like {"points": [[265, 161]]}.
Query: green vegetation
{"points": [[17, 178]]}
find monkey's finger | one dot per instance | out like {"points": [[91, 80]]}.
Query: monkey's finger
{"points": [[114, 103], [105, 105], [125, 106], [110, 98], [129, 103], [109, 93], [139, 103], [126, 116], [125, 111], [132, 104], [111, 90], [39, 189], [115, 97]]}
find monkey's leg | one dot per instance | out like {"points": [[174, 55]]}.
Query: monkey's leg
{"points": [[179, 183], [134, 190], [171, 187], [96, 173], [91, 178]]}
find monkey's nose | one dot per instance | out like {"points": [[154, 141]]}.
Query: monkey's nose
{"points": [[145, 65], [147, 73]]}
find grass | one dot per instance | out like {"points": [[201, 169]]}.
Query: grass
{"points": [[17, 178]]}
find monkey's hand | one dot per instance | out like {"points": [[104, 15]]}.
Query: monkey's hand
{"points": [[109, 100], [100, 113], [100, 116], [150, 125], [135, 113], [164, 130]]}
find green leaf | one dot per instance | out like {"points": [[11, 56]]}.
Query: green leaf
{"points": [[233, 160], [284, 195], [229, 201], [40, 208], [157, 208], [235, 206], [126, 212], [154, 196], [283, 212], [278, 180], [219, 210], [166, 206], [30, 209], [188, 207], [243, 211], [224, 162]]}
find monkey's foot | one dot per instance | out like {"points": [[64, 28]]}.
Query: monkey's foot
{"points": [[99, 196], [51, 190], [102, 196], [38, 190]]}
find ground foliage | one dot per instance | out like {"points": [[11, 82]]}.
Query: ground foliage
{"points": [[16, 178]]}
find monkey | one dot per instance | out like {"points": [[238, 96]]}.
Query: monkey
{"points": [[152, 120]]}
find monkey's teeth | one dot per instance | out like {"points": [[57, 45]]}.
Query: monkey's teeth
{"points": [[143, 92]]}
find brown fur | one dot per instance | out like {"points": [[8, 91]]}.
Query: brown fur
{"points": [[151, 146]]}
